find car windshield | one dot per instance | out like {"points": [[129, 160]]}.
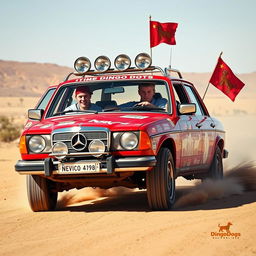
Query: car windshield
{"points": [[131, 96]]}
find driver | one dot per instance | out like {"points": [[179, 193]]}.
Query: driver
{"points": [[148, 97], [83, 98]]}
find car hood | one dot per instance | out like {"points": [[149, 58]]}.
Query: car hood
{"points": [[114, 121]]}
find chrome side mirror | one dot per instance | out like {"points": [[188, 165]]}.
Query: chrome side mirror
{"points": [[35, 114], [187, 108]]}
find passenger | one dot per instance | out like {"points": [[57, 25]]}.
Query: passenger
{"points": [[83, 98], [148, 97]]}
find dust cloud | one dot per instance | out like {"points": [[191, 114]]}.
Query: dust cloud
{"points": [[87, 194], [236, 181]]}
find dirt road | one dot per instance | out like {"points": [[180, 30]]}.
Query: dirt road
{"points": [[120, 224]]}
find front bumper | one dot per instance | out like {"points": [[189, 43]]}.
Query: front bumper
{"points": [[48, 167]]}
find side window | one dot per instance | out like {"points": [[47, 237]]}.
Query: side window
{"points": [[180, 95], [43, 103], [193, 99], [62, 99]]}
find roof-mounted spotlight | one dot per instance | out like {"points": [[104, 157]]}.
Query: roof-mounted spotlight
{"points": [[82, 64], [102, 63], [143, 61], [122, 62]]}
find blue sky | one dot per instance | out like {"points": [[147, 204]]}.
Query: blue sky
{"points": [[59, 31]]}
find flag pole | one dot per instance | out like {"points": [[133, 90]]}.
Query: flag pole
{"points": [[170, 65], [150, 36], [209, 82]]}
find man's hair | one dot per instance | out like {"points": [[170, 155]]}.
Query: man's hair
{"points": [[146, 85]]}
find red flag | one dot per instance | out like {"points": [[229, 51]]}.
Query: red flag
{"points": [[224, 79], [162, 33]]}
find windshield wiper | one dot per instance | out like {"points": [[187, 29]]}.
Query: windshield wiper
{"points": [[143, 108], [79, 111], [111, 109]]}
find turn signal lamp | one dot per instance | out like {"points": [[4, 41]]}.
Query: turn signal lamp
{"points": [[82, 64], [145, 142], [143, 61], [23, 147], [102, 63], [122, 62]]}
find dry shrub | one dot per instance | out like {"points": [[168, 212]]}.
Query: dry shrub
{"points": [[8, 131]]}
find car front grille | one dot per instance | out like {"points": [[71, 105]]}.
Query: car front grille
{"points": [[66, 137]]}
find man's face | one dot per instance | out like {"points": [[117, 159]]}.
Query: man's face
{"points": [[146, 93], [83, 100]]}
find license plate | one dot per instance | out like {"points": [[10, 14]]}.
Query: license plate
{"points": [[73, 168]]}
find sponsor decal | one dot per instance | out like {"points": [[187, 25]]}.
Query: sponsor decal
{"points": [[65, 123], [155, 142], [59, 118], [159, 128], [135, 117], [85, 79], [114, 77], [225, 233], [28, 124], [105, 122], [152, 130], [166, 126], [46, 126]]}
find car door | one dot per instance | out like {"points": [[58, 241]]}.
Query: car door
{"points": [[190, 133], [205, 144]]}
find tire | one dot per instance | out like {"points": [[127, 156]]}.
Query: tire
{"points": [[161, 182], [216, 168], [40, 196]]}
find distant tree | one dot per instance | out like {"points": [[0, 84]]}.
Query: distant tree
{"points": [[21, 101], [8, 131]]}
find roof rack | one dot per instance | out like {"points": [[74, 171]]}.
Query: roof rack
{"points": [[131, 70]]}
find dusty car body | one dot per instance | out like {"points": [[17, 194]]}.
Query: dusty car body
{"points": [[135, 147]]}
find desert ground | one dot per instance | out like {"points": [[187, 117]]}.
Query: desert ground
{"points": [[118, 222]]}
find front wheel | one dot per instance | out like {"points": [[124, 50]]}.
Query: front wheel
{"points": [[40, 194], [161, 182]]}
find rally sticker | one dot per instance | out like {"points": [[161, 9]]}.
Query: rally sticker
{"points": [[105, 122], [114, 77], [66, 123], [29, 124], [46, 126], [135, 117]]}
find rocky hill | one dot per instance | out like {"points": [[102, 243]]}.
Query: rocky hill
{"points": [[29, 79], [22, 79]]}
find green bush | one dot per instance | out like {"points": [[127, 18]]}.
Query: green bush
{"points": [[8, 131]]}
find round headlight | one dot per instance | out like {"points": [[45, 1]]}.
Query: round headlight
{"points": [[102, 63], [96, 146], [129, 140], [122, 62], [36, 144], [82, 64], [60, 150], [143, 61]]}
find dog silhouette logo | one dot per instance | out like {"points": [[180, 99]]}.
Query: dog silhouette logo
{"points": [[225, 233], [225, 228]]}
